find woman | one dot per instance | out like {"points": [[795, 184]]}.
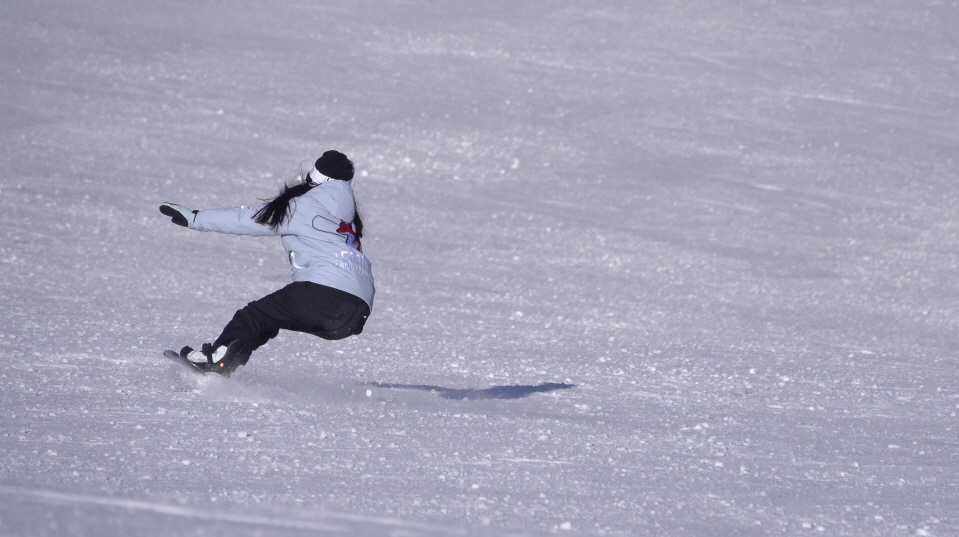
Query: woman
{"points": [[332, 291]]}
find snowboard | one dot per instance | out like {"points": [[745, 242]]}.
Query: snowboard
{"points": [[196, 367]]}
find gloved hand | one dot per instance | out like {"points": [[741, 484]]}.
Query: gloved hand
{"points": [[178, 214]]}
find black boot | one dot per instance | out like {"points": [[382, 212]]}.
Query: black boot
{"points": [[222, 360], [237, 353]]}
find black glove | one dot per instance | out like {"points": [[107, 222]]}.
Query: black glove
{"points": [[178, 214]]}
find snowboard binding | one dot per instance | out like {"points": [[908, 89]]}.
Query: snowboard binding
{"points": [[223, 360]]}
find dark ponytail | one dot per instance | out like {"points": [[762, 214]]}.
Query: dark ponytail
{"points": [[357, 223], [277, 210]]}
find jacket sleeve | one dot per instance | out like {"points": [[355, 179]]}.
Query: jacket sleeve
{"points": [[237, 221]]}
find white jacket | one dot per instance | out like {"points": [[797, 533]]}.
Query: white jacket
{"points": [[317, 237]]}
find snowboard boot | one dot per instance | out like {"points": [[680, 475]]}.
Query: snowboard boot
{"points": [[237, 353], [223, 360]]}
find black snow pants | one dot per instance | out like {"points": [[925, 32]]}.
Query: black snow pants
{"points": [[301, 307]]}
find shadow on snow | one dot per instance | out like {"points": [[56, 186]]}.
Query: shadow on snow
{"points": [[494, 392]]}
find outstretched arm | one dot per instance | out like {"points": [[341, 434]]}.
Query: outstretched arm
{"points": [[238, 220]]}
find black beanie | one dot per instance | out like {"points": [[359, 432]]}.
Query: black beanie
{"points": [[335, 165]]}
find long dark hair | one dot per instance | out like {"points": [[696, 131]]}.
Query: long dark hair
{"points": [[357, 221], [277, 210]]}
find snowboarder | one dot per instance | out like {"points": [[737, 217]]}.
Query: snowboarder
{"points": [[332, 291]]}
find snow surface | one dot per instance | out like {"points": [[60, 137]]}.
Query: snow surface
{"points": [[673, 268]]}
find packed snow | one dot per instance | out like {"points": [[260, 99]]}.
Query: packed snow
{"points": [[674, 268]]}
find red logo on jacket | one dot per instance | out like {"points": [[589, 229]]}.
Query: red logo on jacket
{"points": [[350, 236]]}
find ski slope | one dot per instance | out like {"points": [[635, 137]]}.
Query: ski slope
{"points": [[676, 268]]}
